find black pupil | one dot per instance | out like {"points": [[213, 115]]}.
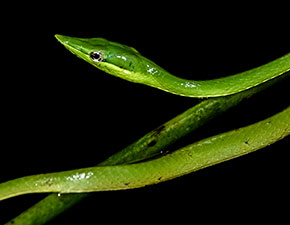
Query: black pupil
{"points": [[95, 56]]}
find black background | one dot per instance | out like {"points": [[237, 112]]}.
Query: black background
{"points": [[60, 113]]}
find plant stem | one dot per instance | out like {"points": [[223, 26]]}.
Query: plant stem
{"points": [[149, 145]]}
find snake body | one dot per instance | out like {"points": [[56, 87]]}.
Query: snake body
{"points": [[127, 63]]}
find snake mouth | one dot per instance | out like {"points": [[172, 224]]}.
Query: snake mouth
{"points": [[68, 42], [74, 45], [61, 38]]}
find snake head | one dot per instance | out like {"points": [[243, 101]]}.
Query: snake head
{"points": [[111, 57]]}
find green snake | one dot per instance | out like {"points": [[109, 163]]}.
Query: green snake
{"points": [[127, 63]]}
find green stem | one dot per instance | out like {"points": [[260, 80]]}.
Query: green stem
{"points": [[183, 124], [191, 158]]}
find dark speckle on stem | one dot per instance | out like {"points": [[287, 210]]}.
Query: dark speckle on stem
{"points": [[158, 130], [49, 182], [152, 143], [155, 136]]}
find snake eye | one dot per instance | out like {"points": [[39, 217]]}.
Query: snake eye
{"points": [[97, 56]]}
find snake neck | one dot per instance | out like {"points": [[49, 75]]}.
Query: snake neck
{"points": [[155, 76], [163, 80]]}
